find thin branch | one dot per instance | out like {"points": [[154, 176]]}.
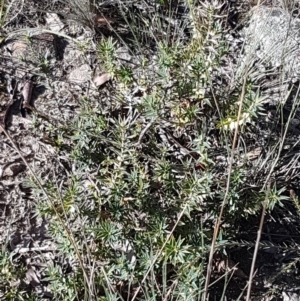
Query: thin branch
{"points": [[218, 222], [262, 218], [159, 253]]}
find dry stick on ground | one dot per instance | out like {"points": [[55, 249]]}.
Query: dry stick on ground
{"points": [[68, 233], [218, 222], [143, 132]]}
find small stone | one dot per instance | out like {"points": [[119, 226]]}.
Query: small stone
{"points": [[18, 49], [53, 22], [123, 54], [81, 74]]}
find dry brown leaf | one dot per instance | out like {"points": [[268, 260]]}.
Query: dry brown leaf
{"points": [[254, 154], [31, 276], [3, 115], [14, 169], [26, 92], [225, 264], [101, 79], [99, 20]]}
